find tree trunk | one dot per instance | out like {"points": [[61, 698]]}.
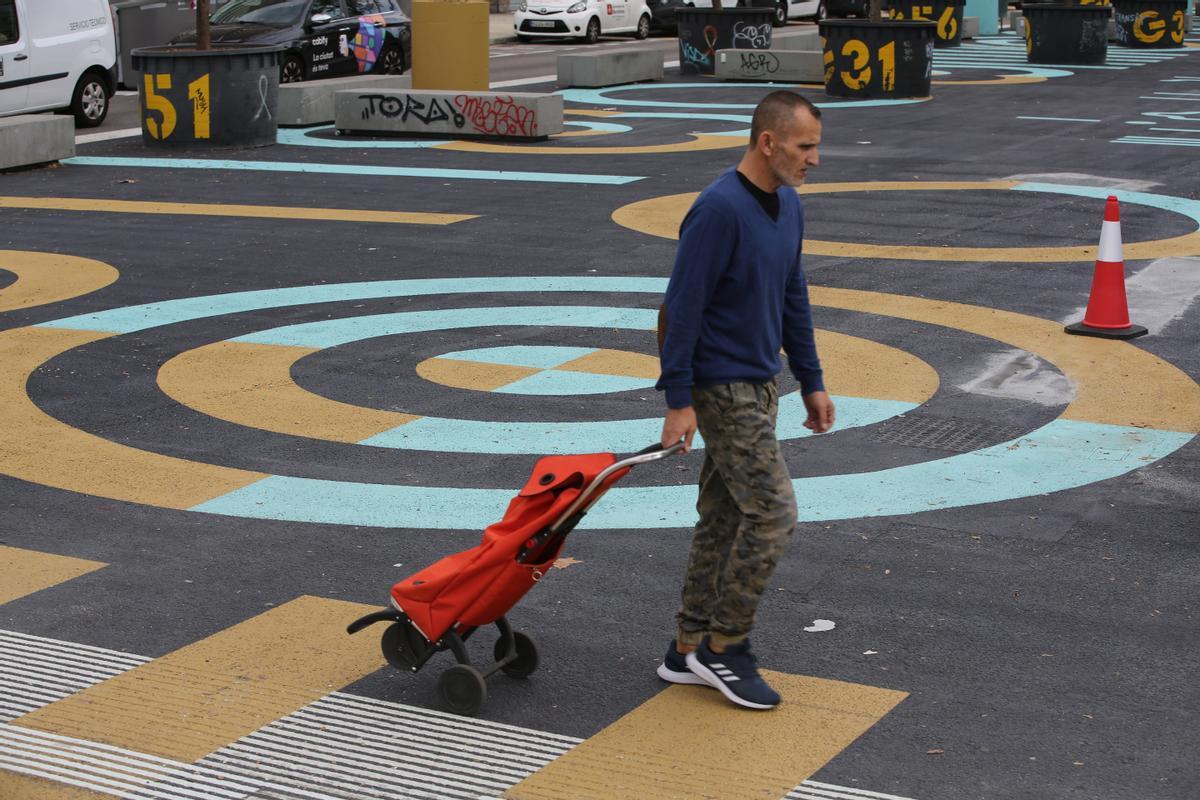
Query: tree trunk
{"points": [[203, 36], [876, 14]]}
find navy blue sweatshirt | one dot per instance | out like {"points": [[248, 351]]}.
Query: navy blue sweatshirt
{"points": [[737, 294]]}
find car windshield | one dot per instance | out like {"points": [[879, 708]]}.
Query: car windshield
{"points": [[264, 12]]}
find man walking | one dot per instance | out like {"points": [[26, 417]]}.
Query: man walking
{"points": [[737, 294]]}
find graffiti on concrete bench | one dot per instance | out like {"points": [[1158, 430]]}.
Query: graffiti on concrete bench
{"points": [[518, 116]]}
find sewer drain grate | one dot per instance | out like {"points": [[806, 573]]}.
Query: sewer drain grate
{"points": [[945, 433]]}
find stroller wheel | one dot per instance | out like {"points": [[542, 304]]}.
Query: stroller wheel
{"points": [[462, 689], [526, 662], [402, 645]]}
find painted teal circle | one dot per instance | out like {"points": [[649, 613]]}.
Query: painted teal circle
{"points": [[554, 376]]}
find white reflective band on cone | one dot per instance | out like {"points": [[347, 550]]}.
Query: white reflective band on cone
{"points": [[1110, 243]]}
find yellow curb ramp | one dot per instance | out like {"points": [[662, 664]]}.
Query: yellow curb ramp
{"points": [[690, 743]]}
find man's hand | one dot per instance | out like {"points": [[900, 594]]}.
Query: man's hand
{"points": [[679, 424], [820, 412]]}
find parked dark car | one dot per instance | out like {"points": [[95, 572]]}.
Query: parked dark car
{"points": [[324, 38]]}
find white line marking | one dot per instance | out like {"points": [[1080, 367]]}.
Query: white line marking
{"points": [[124, 133]]}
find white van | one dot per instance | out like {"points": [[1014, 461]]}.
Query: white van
{"points": [[57, 55], [580, 19]]}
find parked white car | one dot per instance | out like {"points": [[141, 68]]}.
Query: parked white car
{"points": [[784, 9], [57, 56], [580, 19]]}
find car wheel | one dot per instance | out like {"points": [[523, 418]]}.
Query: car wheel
{"points": [[391, 61], [89, 103], [593, 31], [643, 28], [821, 13], [780, 17], [523, 39], [292, 69]]}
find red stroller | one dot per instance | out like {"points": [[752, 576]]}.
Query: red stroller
{"points": [[443, 604]]}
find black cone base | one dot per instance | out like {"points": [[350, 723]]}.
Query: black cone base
{"points": [[1132, 332]]}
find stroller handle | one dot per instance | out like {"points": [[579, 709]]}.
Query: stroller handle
{"points": [[654, 452]]}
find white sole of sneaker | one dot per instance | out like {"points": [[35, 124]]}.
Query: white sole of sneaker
{"points": [[682, 678], [712, 680]]}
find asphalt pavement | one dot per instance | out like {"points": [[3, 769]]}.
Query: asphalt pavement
{"points": [[246, 392]]}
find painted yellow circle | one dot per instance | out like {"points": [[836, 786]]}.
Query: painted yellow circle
{"points": [[661, 216], [44, 278]]}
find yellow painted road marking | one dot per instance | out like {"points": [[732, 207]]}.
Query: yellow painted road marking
{"points": [[689, 743], [48, 278], [25, 787], [230, 210], [23, 572], [251, 384], [1005, 80], [614, 362], [857, 367], [39, 448], [1116, 383], [660, 216], [699, 141], [474, 375], [200, 698]]}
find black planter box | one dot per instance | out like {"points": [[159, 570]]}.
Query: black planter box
{"points": [[1066, 34], [877, 60], [224, 97], [704, 31], [947, 15], [1150, 23]]}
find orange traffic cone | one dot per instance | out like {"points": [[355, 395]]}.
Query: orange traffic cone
{"points": [[1108, 311]]}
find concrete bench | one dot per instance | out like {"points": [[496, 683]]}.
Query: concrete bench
{"points": [[311, 102], [970, 27], [32, 139], [497, 115], [804, 40], [609, 68], [801, 66]]}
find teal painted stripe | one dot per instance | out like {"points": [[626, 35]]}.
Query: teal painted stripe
{"points": [[334, 332], [357, 170], [610, 436], [1180, 205], [555, 383], [1059, 456], [523, 355], [168, 312], [1060, 119]]}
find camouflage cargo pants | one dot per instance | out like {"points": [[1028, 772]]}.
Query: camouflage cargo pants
{"points": [[747, 511]]}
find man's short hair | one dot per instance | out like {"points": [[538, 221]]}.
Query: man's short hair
{"points": [[776, 110]]}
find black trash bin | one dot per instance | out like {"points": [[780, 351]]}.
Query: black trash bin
{"points": [[224, 97], [867, 60], [704, 31], [1066, 34], [1150, 23], [947, 15]]}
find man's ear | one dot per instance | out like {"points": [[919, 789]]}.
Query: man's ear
{"points": [[766, 142]]}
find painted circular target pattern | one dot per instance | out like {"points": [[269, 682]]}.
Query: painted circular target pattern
{"points": [[1118, 421]]}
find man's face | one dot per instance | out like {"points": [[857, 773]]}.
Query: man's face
{"points": [[793, 148]]}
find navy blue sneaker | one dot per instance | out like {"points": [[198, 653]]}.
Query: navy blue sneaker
{"points": [[675, 669], [735, 673]]}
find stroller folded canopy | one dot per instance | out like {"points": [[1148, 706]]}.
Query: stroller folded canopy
{"points": [[478, 586]]}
